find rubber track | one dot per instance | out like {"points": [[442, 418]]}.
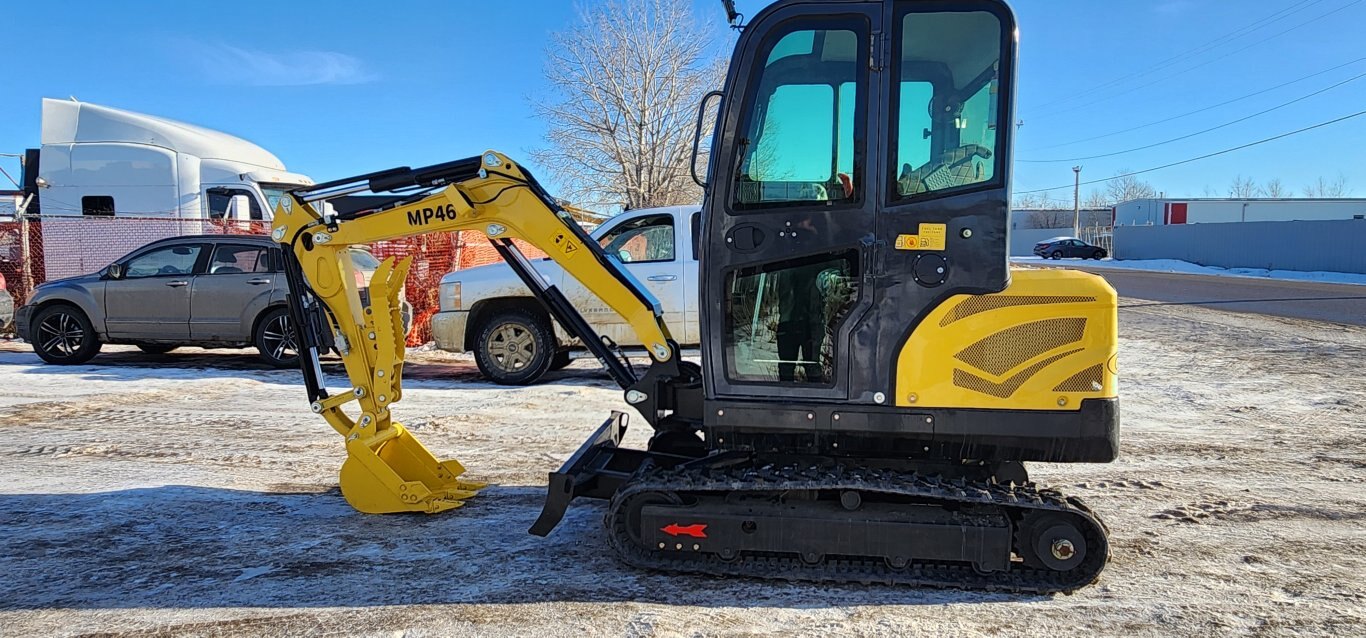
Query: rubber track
{"points": [[1016, 500]]}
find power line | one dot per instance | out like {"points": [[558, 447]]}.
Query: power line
{"points": [[1184, 55], [1196, 111], [1202, 132], [1196, 159], [1202, 64]]}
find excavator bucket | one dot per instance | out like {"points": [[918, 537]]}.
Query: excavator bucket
{"points": [[392, 472], [387, 469]]}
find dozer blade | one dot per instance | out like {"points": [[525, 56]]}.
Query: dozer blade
{"points": [[393, 472]]}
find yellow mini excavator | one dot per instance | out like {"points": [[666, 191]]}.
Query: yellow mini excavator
{"points": [[873, 374]]}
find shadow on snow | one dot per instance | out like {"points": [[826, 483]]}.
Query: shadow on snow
{"points": [[199, 547]]}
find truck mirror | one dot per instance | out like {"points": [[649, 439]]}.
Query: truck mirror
{"points": [[239, 208]]}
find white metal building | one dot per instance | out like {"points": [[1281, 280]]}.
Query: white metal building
{"points": [[1158, 212]]}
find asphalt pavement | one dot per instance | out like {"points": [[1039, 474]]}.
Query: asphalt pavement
{"points": [[1336, 303]]}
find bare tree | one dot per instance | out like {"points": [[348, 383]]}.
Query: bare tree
{"points": [[626, 82], [1243, 187], [1026, 201], [1096, 199], [1051, 218], [1037, 201], [1125, 187], [1042, 210], [1274, 187], [1328, 188]]}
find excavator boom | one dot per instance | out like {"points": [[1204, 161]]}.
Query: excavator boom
{"points": [[387, 469]]}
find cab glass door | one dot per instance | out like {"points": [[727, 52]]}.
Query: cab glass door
{"points": [[785, 230]]}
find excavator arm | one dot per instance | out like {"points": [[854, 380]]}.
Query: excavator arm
{"points": [[387, 469]]}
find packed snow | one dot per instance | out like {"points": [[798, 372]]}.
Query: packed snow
{"points": [[195, 493], [1179, 266]]}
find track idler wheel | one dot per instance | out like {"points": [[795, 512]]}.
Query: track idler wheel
{"points": [[1050, 541]]}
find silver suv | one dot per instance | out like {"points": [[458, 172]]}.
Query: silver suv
{"points": [[211, 291]]}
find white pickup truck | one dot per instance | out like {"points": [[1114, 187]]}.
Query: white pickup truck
{"points": [[488, 311]]}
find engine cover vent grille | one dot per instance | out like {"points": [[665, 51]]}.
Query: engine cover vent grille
{"points": [[1088, 380], [1009, 348], [1005, 388], [984, 303]]}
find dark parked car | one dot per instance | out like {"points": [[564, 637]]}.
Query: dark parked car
{"points": [[210, 290], [1060, 247]]}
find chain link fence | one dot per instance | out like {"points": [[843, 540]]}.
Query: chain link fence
{"points": [[35, 249]]}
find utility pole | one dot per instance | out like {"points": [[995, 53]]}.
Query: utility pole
{"points": [[1076, 202]]}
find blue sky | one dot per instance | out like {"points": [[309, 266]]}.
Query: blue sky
{"points": [[345, 87]]}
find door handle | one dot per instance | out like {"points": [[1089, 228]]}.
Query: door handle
{"points": [[259, 281], [662, 277], [177, 284]]}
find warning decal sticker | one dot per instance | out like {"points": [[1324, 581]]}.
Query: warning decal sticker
{"points": [[930, 237], [565, 244]]}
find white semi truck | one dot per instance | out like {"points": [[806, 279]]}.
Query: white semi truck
{"points": [[100, 162]]}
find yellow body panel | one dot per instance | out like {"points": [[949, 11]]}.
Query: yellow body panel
{"points": [[1046, 342], [387, 469]]}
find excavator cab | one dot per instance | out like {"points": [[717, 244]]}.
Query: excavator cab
{"points": [[859, 187], [874, 375]]}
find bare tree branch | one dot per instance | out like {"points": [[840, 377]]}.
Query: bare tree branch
{"points": [[1274, 187], [1243, 187], [1328, 188], [626, 82], [1051, 218], [1125, 187], [1096, 199]]}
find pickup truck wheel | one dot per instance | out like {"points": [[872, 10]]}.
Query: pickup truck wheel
{"points": [[275, 339], [157, 348], [560, 361], [514, 347], [62, 334]]}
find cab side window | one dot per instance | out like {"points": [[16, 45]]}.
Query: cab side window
{"points": [[97, 206], [805, 124], [641, 240], [696, 224], [782, 318], [945, 106], [220, 197]]}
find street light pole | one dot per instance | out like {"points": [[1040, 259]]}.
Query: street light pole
{"points": [[1076, 202]]}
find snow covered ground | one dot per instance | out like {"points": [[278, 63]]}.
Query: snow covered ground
{"points": [[1176, 265], [195, 494]]}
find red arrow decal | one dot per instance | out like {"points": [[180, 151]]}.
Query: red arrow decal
{"points": [[697, 530]]}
